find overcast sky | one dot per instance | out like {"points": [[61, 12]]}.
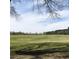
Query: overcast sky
{"points": [[31, 21]]}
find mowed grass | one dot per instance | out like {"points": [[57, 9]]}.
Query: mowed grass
{"points": [[39, 42]]}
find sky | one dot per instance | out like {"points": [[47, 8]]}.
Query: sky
{"points": [[33, 22]]}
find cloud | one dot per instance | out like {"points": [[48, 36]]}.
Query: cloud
{"points": [[29, 22], [59, 25]]}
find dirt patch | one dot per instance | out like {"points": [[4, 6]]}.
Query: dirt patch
{"points": [[56, 55]]}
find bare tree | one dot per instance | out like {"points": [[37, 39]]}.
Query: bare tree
{"points": [[51, 6], [13, 12]]}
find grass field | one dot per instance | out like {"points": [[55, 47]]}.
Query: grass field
{"points": [[24, 44]]}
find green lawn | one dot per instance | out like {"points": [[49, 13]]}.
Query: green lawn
{"points": [[39, 42]]}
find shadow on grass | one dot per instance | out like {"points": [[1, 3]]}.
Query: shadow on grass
{"points": [[40, 52], [40, 48]]}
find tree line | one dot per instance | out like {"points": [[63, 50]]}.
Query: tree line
{"points": [[61, 32]]}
